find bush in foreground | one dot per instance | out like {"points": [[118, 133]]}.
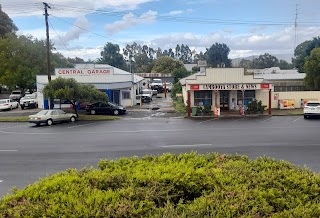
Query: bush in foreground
{"points": [[186, 185]]}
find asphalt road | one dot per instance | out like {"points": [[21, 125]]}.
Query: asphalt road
{"points": [[28, 152]]}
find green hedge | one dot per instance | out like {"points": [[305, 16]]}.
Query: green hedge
{"points": [[186, 185]]}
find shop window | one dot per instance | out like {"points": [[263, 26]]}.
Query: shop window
{"points": [[202, 98], [126, 95], [289, 88], [249, 95]]}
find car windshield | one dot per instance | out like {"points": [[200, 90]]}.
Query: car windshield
{"points": [[3, 101], [313, 104], [112, 104], [145, 92], [43, 112], [29, 97]]}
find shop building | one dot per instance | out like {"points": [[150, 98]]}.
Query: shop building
{"points": [[120, 86], [231, 89]]}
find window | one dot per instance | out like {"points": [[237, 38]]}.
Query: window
{"points": [[54, 113], [248, 96], [202, 98], [288, 88], [126, 95]]}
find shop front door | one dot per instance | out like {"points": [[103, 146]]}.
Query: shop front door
{"points": [[224, 100], [116, 96]]}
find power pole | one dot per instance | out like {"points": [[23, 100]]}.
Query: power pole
{"points": [[46, 6], [295, 36]]}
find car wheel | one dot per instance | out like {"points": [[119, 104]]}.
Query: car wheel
{"points": [[72, 119], [17, 106], [305, 117], [92, 112], [22, 107], [116, 112], [49, 122]]}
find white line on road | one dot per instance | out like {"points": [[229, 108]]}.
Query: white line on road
{"points": [[195, 145], [8, 150], [88, 124], [296, 119], [1, 180], [206, 121], [13, 127], [266, 120]]}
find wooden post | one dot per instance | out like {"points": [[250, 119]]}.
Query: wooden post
{"points": [[269, 109], [189, 104], [165, 89]]}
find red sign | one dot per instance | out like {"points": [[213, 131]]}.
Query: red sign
{"points": [[194, 87], [265, 86]]}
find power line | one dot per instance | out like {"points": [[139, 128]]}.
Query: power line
{"points": [[58, 36], [97, 34]]}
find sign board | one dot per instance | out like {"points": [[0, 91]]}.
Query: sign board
{"points": [[286, 104], [241, 86], [202, 63], [83, 72], [265, 86], [305, 101]]}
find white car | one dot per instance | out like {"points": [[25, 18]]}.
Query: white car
{"points": [[52, 116], [8, 104], [29, 101], [312, 108]]}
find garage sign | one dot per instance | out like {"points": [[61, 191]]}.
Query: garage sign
{"points": [[83, 72]]}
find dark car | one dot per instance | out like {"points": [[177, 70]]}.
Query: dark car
{"points": [[105, 108]]}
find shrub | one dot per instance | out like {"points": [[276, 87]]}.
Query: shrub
{"points": [[185, 185]]}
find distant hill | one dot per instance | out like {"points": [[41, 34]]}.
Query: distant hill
{"points": [[286, 57]]}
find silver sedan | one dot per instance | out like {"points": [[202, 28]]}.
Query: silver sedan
{"points": [[52, 116]]}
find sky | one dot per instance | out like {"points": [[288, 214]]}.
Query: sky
{"points": [[248, 27]]}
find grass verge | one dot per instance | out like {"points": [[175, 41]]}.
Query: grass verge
{"points": [[179, 107]]}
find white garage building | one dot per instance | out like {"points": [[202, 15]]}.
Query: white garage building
{"points": [[120, 86]]}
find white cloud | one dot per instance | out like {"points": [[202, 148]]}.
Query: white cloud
{"points": [[74, 32], [175, 12], [67, 8], [130, 20]]}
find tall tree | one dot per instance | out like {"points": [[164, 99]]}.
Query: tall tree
{"points": [[312, 70], [217, 55], [265, 61], [167, 65], [21, 59], [72, 91], [303, 50], [111, 55], [6, 24], [246, 64]]}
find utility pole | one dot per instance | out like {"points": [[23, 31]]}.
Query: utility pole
{"points": [[295, 36], [46, 6]]}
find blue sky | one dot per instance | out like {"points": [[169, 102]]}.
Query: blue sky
{"points": [[248, 27]]}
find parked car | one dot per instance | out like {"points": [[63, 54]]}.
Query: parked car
{"points": [[8, 104], [16, 95], [311, 109], [105, 108], [146, 95], [52, 116], [157, 85], [29, 101], [168, 86]]}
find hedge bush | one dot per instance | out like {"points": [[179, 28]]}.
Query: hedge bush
{"points": [[185, 185]]}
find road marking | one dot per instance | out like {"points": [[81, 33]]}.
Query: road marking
{"points": [[194, 145], [206, 121], [266, 120], [8, 150], [88, 124], [296, 119], [1, 180], [12, 127]]}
